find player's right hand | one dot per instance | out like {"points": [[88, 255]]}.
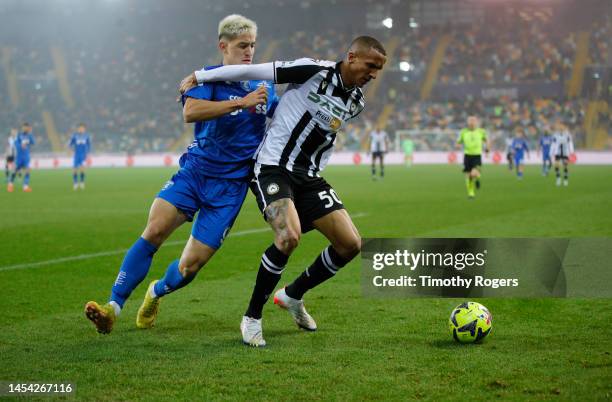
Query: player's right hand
{"points": [[187, 83], [257, 97]]}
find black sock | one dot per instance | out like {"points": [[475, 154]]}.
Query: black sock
{"points": [[557, 172], [373, 171], [273, 262], [324, 267], [565, 173], [382, 171]]}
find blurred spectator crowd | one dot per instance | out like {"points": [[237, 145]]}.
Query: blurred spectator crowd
{"points": [[125, 89]]}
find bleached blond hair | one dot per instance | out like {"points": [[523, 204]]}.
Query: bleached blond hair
{"points": [[235, 25]]}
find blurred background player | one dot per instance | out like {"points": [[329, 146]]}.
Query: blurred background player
{"points": [[23, 142], [212, 182], [379, 144], [544, 145], [408, 148], [10, 154], [519, 148], [80, 142], [509, 152], [473, 139], [562, 147]]}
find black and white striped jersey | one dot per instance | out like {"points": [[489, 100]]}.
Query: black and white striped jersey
{"points": [[562, 144], [378, 141], [10, 149], [315, 106]]}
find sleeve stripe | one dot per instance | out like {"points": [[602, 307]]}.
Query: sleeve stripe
{"points": [[274, 67], [296, 75]]}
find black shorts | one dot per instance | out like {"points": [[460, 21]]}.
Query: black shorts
{"points": [[471, 161], [561, 157], [10, 159], [377, 154], [313, 196]]}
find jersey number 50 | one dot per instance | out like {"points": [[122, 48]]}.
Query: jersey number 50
{"points": [[329, 198]]}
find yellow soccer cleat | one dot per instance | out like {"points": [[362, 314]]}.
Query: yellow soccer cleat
{"points": [[148, 310], [103, 317]]}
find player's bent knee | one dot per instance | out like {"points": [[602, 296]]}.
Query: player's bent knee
{"points": [[191, 270], [349, 248], [156, 232], [287, 241]]}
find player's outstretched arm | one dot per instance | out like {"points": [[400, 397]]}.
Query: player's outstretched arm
{"points": [[281, 72], [202, 110], [237, 72]]}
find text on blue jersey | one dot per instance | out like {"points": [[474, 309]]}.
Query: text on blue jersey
{"points": [[225, 146], [23, 142], [80, 143]]}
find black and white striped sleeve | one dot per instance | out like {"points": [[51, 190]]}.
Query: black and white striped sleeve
{"points": [[299, 71]]}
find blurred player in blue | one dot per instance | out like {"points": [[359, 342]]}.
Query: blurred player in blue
{"points": [[519, 148], [23, 142], [212, 182], [80, 142], [509, 152], [545, 143]]}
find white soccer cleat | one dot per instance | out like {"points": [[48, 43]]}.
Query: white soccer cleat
{"points": [[558, 181], [252, 334], [82, 186], [296, 309], [565, 183]]}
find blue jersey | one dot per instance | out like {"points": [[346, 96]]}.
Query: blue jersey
{"points": [[23, 142], [519, 146], [545, 143], [81, 144], [224, 147]]}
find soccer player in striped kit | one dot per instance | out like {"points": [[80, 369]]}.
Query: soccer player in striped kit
{"points": [[562, 147], [379, 144], [294, 199]]}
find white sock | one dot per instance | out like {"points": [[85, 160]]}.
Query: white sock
{"points": [[116, 307], [152, 292]]}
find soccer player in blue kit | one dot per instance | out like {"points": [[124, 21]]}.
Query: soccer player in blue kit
{"points": [[80, 142], [213, 180], [23, 142], [519, 147], [545, 143]]}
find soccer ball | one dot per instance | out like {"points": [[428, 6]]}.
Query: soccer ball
{"points": [[470, 322]]}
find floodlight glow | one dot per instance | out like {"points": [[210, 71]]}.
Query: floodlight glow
{"points": [[405, 66], [388, 22]]}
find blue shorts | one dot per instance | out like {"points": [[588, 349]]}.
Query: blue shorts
{"points": [[78, 161], [22, 163], [518, 159], [546, 157], [217, 200]]}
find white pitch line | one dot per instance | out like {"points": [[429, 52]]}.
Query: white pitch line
{"points": [[122, 251]]}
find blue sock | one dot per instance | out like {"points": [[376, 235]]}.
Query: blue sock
{"points": [[519, 174], [82, 177], [26, 179], [74, 178], [172, 280], [134, 269]]}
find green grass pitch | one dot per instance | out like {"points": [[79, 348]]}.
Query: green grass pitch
{"points": [[365, 349]]}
